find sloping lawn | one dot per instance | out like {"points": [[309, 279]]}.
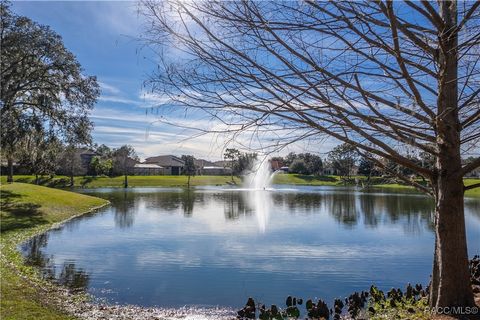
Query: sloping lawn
{"points": [[28, 209], [133, 181]]}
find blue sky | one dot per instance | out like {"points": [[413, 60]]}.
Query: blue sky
{"points": [[102, 36]]}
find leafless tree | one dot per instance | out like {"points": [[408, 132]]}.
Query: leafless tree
{"points": [[389, 78]]}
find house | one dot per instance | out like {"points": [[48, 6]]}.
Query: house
{"points": [[200, 164], [216, 171], [475, 173], [84, 158], [329, 171], [171, 165], [284, 169], [78, 161], [17, 168], [223, 163], [276, 165], [147, 169]]}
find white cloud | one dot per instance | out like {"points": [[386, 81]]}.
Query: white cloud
{"points": [[118, 99], [108, 88]]}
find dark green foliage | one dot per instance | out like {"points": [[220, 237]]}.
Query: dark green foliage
{"points": [[298, 166], [343, 159], [189, 168], [244, 163], [366, 167], [42, 85], [231, 156], [124, 158], [39, 152], [304, 163], [101, 166]]}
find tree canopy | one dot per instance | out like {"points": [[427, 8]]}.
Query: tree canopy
{"points": [[42, 84]]}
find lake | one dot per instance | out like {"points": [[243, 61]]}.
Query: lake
{"points": [[215, 246]]}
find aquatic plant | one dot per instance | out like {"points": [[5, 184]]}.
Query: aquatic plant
{"points": [[374, 304]]}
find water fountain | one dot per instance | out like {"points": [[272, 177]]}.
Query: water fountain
{"points": [[261, 176], [258, 183]]}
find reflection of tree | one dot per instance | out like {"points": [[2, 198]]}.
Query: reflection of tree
{"points": [[188, 201], [347, 207], [342, 207], [73, 278], [32, 250], [69, 276], [308, 202], [367, 205], [235, 205], [124, 210], [410, 209]]}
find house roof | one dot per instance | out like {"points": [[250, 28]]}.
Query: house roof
{"points": [[203, 163], [222, 163], [147, 166], [166, 161], [215, 168], [85, 151]]}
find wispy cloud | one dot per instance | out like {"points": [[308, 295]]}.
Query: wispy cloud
{"points": [[108, 88], [118, 99], [120, 17]]}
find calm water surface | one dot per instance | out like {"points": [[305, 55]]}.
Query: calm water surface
{"points": [[216, 247]]}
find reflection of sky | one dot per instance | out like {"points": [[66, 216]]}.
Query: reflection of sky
{"points": [[315, 244]]}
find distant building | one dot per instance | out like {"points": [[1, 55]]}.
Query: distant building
{"points": [[284, 169], [147, 169], [475, 173], [84, 157], [172, 165], [276, 165], [200, 164], [80, 164], [329, 171], [223, 163], [216, 171]]}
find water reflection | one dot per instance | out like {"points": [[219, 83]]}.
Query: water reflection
{"points": [[172, 247], [68, 276], [347, 207], [234, 206]]}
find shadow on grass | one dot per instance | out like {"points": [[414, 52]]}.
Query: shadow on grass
{"points": [[17, 215], [86, 180]]}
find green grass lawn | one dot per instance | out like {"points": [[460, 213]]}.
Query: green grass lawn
{"points": [[181, 181], [133, 181], [27, 209]]}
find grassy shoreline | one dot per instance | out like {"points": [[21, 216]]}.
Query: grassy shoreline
{"points": [[28, 210], [63, 182]]}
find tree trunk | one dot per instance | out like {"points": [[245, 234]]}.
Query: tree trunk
{"points": [[72, 182], [451, 276], [36, 178], [10, 170], [125, 183]]}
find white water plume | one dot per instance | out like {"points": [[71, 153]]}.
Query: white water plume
{"points": [[258, 183]]}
